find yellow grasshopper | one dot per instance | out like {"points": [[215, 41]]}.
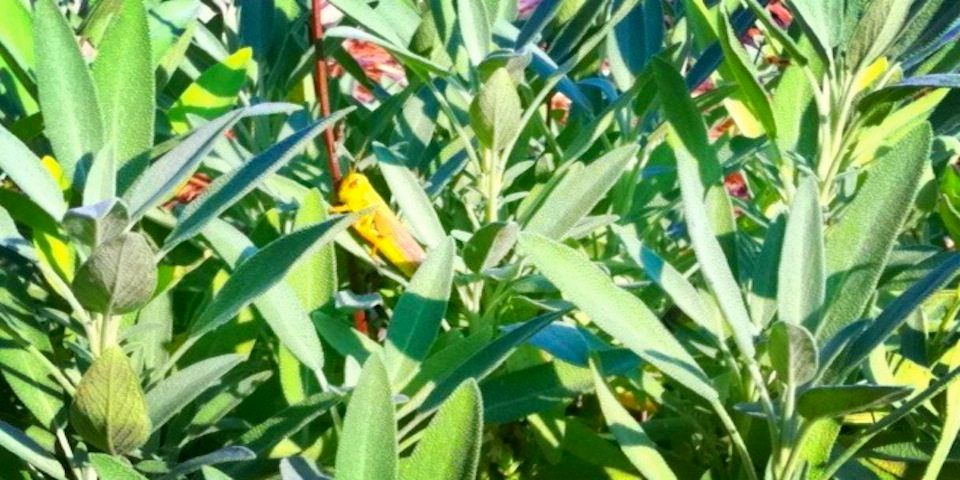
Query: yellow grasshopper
{"points": [[379, 226]]}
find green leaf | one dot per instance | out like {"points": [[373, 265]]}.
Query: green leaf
{"points": [[165, 175], [879, 26], [417, 316], [168, 22], [484, 362], [489, 245], [474, 29], [231, 187], [840, 400], [368, 442], [406, 56], [713, 263], [68, 99], [450, 445], [174, 393], [267, 434], [858, 246], [801, 280], [634, 442], [680, 290], [260, 273], [634, 41], [119, 277], [538, 20], [495, 112], [25, 448], [108, 409], [112, 468], [575, 195], [314, 278], [16, 33], [213, 93], [793, 353], [616, 311], [23, 341], [224, 455], [126, 106], [413, 201], [824, 19], [97, 223], [25, 169], [684, 117], [744, 74], [367, 17], [897, 312]]}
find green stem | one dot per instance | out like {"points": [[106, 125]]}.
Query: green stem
{"points": [[738, 443]]}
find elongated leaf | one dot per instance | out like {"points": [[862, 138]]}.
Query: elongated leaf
{"points": [[213, 93], [16, 33], [171, 395], [634, 442], [474, 29], [823, 17], [372, 21], [158, 183], [576, 195], [224, 455], [450, 445], [801, 281], [414, 203], [68, 100], [261, 438], [28, 379], [109, 467], [25, 169], [684, 117], [368, 443], [126, 106], [880, 24], [634, 41], [485, 361], [417, 316], [857, 247], [897, 312], [616, 311], [680, 290], [741, 66], [541, 16], [836, 401], [709, 253], [259, 273], [315, 278], [229, 188], [25, 448]]}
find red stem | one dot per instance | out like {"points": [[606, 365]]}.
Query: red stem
{"points": [[322, 90], [320, 85]]}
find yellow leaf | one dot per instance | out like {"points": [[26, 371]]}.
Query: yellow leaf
{"points": [[870, 75]]}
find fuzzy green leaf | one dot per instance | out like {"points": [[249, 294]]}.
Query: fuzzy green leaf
{"points": [[109, 409]]}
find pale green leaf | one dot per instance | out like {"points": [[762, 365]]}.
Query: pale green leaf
{"points": [[417, 316], [616, 311], [368, 442]]}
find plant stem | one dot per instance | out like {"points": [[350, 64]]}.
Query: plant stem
{"points": [[491, 180], [738, 443], [322, 89]]}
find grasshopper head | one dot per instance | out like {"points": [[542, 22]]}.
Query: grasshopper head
{"points": [[354, 191]]}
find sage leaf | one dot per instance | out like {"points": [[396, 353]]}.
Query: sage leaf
{"points": [[495, 112], [109, 409], [119, 277]]}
